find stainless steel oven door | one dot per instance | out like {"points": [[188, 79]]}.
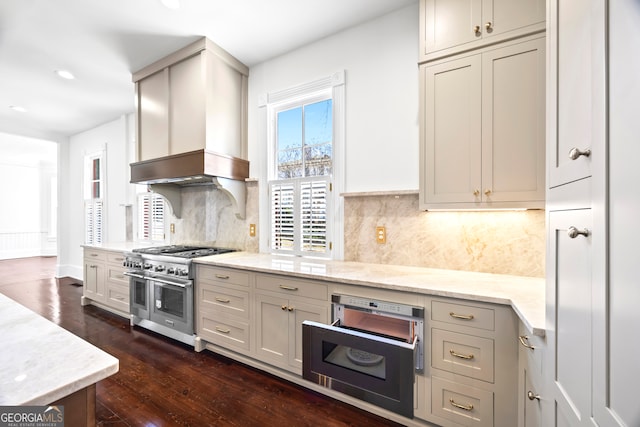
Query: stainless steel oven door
{"points": [[138, 295], [172, 304], [375, 369]]}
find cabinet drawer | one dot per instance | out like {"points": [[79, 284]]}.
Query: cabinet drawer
{"points": [[293, 287], [467, 406], [116, 275], [118, 297], [228, 333], [93, 255], [464, 315], [222, 275], [462, 354], [115, 258], [221, 299]]}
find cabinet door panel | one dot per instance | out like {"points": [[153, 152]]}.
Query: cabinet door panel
{"points": [[569, 296], [508, 15], [450, 23], [572, 114], [272, 329], [299, 314], [513, 124], [452, 126]]}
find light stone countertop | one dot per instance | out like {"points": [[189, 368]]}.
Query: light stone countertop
{"points": [[41, 362], [526, 295]]}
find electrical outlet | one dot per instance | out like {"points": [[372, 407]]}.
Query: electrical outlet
{"points": [[252, 230], [172, 228], [381, 235]]}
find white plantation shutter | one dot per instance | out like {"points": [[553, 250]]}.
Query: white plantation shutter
{"points": [[313, 216], [282, 216], [151, 217], [93, 221], [299, 210]]}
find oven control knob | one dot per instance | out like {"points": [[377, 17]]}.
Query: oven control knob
{"points": [[159, 268], [147, 266], [137, 265], [171, 270], [181, 272]]}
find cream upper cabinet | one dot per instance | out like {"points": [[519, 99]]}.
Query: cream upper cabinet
{"points": [[195, 98], [483, 129], [451, 26], [576, 95]]}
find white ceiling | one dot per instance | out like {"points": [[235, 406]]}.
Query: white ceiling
{"points": [[103, 42]]}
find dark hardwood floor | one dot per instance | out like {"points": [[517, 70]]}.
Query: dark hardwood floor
{"points": [[162, 382]]}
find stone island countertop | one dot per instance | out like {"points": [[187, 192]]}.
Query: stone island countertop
{"points": [[40, 362], [526, 295]]}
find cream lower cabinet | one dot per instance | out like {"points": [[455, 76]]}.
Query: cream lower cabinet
{"points": [[530, 378], [104, 281], [474, 361], [223, 308], [281, 305], [482, 128], [93, 285]]}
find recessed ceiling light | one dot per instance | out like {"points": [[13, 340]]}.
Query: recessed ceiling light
{"points": [[171, 4], [64, 74], [18, 108]]}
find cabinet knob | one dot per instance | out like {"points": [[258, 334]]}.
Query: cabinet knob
{"points": [[476, 29], [532, 396], [284, 307], [488, 26], [573, 232], [487, 192], [476, 192], [574, 153], [290, 308]]}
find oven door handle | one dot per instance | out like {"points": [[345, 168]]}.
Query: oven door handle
{"points": [[137, 276], [169, 282]]}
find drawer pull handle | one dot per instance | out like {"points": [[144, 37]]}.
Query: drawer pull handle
{"points": [[532, 396], [468, 407], [288, 288], [222, 276], [524, 340], [120, 298], [119, 276], [461, 316], [461, 356], [224, 300], [223, 330], [119, 259], [94, 254]]}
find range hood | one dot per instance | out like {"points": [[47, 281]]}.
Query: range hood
{"points": [[168, 174]]}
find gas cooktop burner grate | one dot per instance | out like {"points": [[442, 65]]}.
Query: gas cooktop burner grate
{"points": [[183, 251]]}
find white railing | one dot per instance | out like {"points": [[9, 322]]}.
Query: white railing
{"points": [[26, 244]]}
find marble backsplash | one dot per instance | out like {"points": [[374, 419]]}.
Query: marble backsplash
{"points": [[503, 242], [208, 218]]}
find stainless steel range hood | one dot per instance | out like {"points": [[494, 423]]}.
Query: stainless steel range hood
{"points": [[168, 174]]}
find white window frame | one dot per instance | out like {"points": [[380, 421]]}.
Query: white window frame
{"points": [[333, 87], [156, 218]]}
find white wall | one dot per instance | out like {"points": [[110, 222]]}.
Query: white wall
{"points": [[380, 60], [114, 137]]}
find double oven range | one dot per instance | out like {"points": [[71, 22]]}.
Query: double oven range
{"points": [[161, 281]]}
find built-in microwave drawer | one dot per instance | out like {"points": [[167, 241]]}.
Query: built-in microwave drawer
{"points": [[462, 354], [226, 332], [463, 315], [222, 299], [464, 405], [292, 286]]}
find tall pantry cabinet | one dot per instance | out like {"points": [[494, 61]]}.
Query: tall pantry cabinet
{"points": [[592, 204]]}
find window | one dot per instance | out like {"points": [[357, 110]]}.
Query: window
{"points": [[300, 188], [151, 217], [94, 198]]}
